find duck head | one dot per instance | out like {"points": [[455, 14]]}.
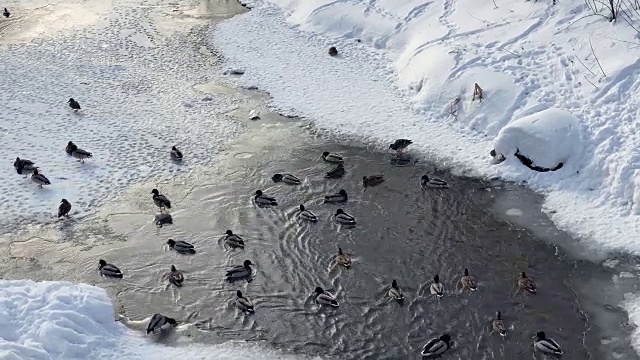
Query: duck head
{"points": [[247, 263], [64, 201], [466, 272], [319, 290], [171, 321], [325, 154], [436, 279], [155, 192], [339, 251], [498, 316], [446, 338], [277, 177], [258, 192], [102, 263], [540, 335], [171, 242], [17, 159], [239, 294], [393, 146], [229, 232], [35, 171], [173, 268], [523, 275], [343, 192], [339, 212], [394, 284], [493, 153], [70, 100], [425, 178], [301, 207], [174, 148]]}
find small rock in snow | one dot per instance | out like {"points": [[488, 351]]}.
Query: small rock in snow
{"points": [[254, 115]]}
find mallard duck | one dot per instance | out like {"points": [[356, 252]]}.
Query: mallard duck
{"points": [[174, 276], [6, 13], [159, 323], [498, 325], [325, 298], [526, 283], [436, 346], [176, 155], [373, 180], [307, 215], [160, 200], [181, 247], [264, 200], [233, 240], [73, 150], [286, 178], [340, 197], [336, 172], [343, 218], [74, 104], [39, 179], [332, 158], [436, 287], [468, 281], [400, 144], [244, 303], [109, 270], [64, 208], [545, 345], [427, 182], [343, 259], [239, 272], [394, 292]]}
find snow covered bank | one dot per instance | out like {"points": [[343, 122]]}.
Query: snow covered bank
{"points": [[413, 59], [60, 320]]}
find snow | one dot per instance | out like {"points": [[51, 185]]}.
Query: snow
{"points": [[59, 320]]}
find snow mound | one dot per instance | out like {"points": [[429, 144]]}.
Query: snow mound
{"points": [[548, 138]]}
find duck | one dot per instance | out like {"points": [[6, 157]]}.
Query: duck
{"points": [[394, 292], [373, 180], [399, 145], [307, 215], [160, 200], [163, 219], [332, 158], [233, 240], [176, 155], [335, 173], [74, 104], [545, 345], [343, 218], [175, 276], [244, 303], [343, 259], [498, 325], [39, 179], [436, 346], [109, 270], [436, 288], [339, 197], [526, 283], [427, 182], [468, 281], [73, 150], [159, 323], [24, 166], [286, 178], [333, 51], [239, 272], [264, 200], [323, 297], [64, 208], [6, 13], [181, 247]]}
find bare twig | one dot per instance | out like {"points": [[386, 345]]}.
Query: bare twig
{"points": [[586, 78], [594, 55], [585, 66]]}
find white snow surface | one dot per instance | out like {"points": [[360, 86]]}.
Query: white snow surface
{"points": [[415, 57], [59, 320]]}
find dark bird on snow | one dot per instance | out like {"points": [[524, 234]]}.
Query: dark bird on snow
{"points": [[6, 13], [176, 155], [400, 144], [39, 179], [74, 104], [64, 208], [80, 154], [160, 200]]}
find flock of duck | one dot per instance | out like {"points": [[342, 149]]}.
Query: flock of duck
{"points": [[435, 347]]}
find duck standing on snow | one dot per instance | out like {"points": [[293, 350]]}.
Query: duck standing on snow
{"points": [[73, 150], [468, 281], [286, 178], [343, 259], [233, 240], [437, 346], [340, 197], [181, 247], [307, 215], [159, 323], [6, 13], [244, 303], [109, 270], [394, 292], [39, 179], [399, 145], [427, 182], [373, 180], [64, 208], [176, 155], [526, 283], [160, 200], [344, 218], [323, 297], [335, 173], [240, 272], [264, 200], [74, 104], [332, 158], [436, 288], [498, 325], [175, 276], [24, 166], [545, 345]]}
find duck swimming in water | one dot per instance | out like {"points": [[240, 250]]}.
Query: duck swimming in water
{"points": [[373, 180], [73, 150], [159, 323], [307, 215], [109, 270], [335, 173], [286, 178], [160, 200], [240, 272], [468, 281], [176, 155], [399, 145], [233, 240], [498, 325], [181, 247], [526, 283], [437, 346], [323, 297], [340, 197], [74, 104], [545, 345], [175, 276], [64, 208], [264, 200], [436, 288], [332, 158], [394, 292], [39, 179], [343, 259], [343, 218], [244, 303], [427, 182]]}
